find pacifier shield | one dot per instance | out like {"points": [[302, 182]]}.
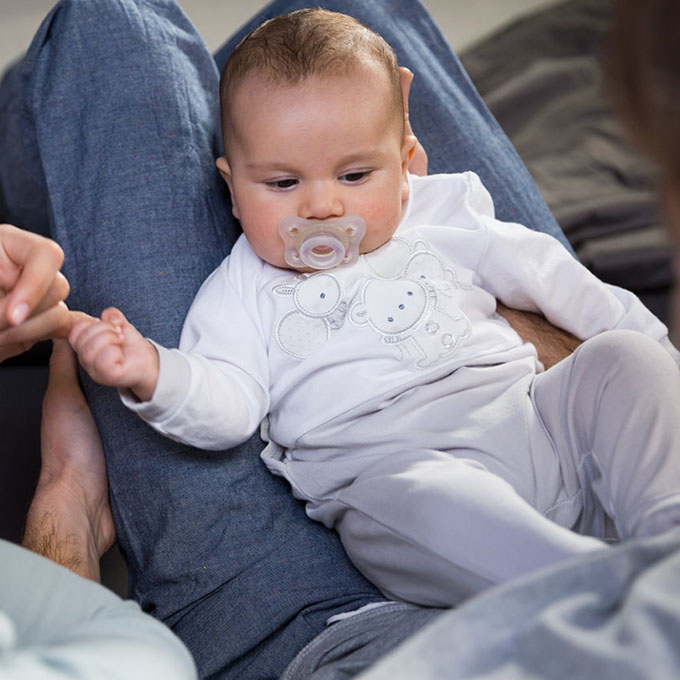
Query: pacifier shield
{"points": [[321, 244]]}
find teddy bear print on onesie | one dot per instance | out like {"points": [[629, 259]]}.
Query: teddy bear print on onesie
{"points": [[319, 308], [407, 302]]}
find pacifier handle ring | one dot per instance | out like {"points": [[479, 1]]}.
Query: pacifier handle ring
{"points": [[322, 260]]}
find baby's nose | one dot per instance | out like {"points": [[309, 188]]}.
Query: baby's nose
{"points": [[321, 202]]}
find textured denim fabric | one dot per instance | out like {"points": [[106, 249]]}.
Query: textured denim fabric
{"points": [[118, 122], [349, 646], [23, 199]]}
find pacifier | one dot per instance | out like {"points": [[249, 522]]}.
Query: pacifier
{"points": [[321, 244]]}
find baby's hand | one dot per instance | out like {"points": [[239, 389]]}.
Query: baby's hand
{"points": [[114, 353]]}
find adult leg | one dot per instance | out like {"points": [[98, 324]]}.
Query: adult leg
{"points": [[612, 410], [120, 97]]}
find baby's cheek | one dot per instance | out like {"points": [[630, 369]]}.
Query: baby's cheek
{"points": [[273, 254], [380, 229], [265, 240]]}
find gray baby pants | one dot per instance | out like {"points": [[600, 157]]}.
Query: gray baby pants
{"points": [[434, 527]]}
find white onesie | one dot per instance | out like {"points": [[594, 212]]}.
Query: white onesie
{"points": [[400, 353]]}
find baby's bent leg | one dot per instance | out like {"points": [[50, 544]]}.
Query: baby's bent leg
{"points": [[434, 529], [613, 409]]}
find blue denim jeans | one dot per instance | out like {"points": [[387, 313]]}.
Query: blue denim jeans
{"points": [[110, 123]]}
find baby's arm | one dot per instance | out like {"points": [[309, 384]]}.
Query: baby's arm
{"points": [[114, 353]]}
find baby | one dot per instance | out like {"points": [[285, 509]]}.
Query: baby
{"points": [[355, 320]]}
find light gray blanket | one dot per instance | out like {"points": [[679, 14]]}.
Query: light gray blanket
{"points": [[611, 615]]}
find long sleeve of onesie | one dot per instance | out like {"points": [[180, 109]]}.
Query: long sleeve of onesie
{"points": [[532, 271], [213, 392]]}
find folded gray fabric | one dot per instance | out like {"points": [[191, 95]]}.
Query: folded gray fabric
{"points": [[614, 614], [542, 77]]}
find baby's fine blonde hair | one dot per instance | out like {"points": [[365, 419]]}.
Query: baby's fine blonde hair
{"points": [[307, 42]]}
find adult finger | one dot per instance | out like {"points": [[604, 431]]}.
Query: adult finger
{"points": [[58, 292], [9, 350], [36, 260], [54, 322]]}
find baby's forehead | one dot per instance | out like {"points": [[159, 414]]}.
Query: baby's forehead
{"points": [[260, 83], [259, 91]]}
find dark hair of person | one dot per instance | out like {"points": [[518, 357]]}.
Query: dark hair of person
{"points": [[642, 72]]}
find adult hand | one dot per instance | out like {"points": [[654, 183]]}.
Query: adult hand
{"points": [[418, 164], [32, 291]]}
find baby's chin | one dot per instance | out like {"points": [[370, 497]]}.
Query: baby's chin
{"points": [[279, 262], [368, 247]]}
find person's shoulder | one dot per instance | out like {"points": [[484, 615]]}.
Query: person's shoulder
{"points": [[447, 184], [242, 251], [240, 265], [439, 180], [450, 193], [242, 260], [443, 179]]}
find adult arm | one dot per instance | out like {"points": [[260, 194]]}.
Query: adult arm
{"points": [[552, 343], [69, 520]]}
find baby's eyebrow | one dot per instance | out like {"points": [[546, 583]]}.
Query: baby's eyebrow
{"points": [[368, 154], [269, 166]]}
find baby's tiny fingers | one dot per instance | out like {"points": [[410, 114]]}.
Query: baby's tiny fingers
{"points": [[115, 317], [78, 329], [109, 364], [97, 328], [93, 340]]}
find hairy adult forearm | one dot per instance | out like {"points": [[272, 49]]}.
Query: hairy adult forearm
{"points": [[46, 534], [552, 344]]}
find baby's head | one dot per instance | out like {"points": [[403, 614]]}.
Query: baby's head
{"points": [[313, 127]]}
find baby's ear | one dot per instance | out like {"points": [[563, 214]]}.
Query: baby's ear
{"points": [[223, 166], [225, 170], [408, 149]]}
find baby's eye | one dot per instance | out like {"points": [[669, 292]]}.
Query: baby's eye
{"points": [[282, 184], [355, 177]]}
